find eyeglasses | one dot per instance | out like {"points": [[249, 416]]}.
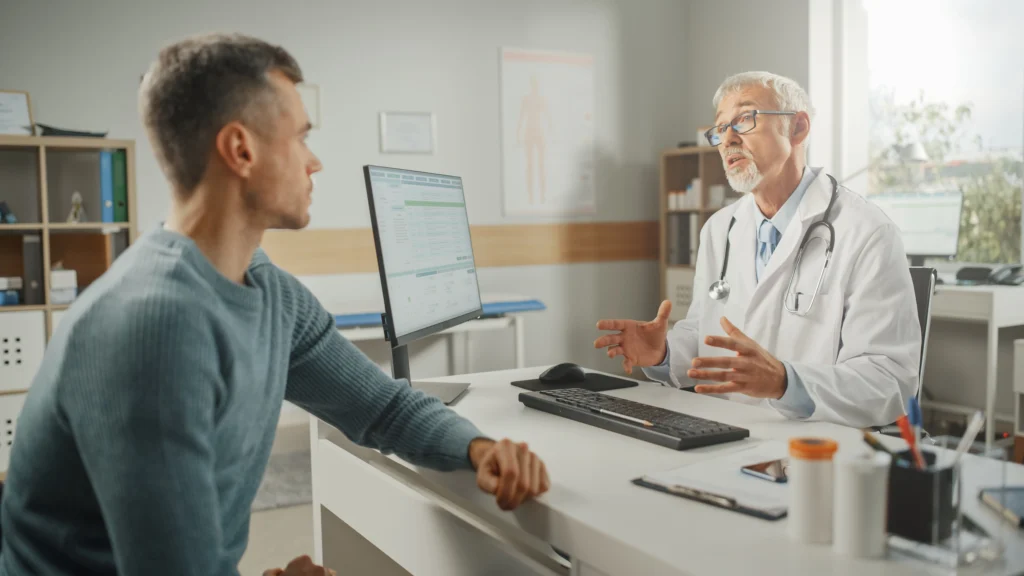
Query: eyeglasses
{"points": [[742, 124]]}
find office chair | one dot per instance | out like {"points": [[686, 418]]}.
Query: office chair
{"points": [[924, 280]]}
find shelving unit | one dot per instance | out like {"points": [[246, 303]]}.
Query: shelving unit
{"points": [[678, 167], [37, 177]]}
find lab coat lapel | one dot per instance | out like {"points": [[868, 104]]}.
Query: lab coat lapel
{"points": [[740, 274]]}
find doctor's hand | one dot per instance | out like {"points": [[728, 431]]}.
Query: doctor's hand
{"points": [[508, 470], [753, 371], [639, 343]]}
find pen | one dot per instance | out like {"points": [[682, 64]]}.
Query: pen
{"points": [[702, 495], [623, 416], [874, 443], [908, 435], [914, 414], [972, 431]]}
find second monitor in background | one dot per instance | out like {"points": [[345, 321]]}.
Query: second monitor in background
{"points": [[425, 260], [929, 222]]}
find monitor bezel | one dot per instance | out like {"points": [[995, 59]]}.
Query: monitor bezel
{"points": [[389, 322]]}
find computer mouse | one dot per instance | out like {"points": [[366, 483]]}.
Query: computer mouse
{"points": [[564, 373]]}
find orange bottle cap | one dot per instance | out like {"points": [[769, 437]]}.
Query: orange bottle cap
{"points": [[812, 448]]}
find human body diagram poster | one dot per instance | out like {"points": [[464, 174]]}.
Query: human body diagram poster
{"points": [[547, 112]]}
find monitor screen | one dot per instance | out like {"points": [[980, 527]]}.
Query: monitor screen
{"points": [[929, 221], [424, 249]]}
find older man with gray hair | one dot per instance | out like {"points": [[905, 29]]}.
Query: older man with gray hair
{"points": [[802, 298]]}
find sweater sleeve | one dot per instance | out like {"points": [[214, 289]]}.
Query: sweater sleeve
{"points": [[140, 398], [336, 382]]}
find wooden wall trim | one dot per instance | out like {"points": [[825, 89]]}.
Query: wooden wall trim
{"points": [[324, 251]]}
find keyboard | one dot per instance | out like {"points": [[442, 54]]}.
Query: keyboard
{"points": [[641, 421]]}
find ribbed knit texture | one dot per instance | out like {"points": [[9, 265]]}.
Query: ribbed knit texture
{"points": [[145, 434]]}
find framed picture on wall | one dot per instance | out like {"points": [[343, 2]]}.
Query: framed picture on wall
{"points": [[408, 132], [15, 113]]}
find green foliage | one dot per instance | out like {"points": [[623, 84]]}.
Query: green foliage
{"points": [[990, 229]]}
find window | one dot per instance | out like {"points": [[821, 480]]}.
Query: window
{"points": [[946, 112]]}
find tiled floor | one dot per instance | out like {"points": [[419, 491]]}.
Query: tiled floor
{"points": [[276, 537]]}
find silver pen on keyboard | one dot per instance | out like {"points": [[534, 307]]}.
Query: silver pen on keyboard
{"points": [[623, 416]]}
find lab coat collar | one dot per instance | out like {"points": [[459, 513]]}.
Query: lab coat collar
{"points": [[812, 205], [816, 198]]}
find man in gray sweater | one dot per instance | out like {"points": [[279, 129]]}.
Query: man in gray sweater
{"points": [[147, 430]]}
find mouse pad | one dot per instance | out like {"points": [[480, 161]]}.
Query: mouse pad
{"points": [[592, 382]]}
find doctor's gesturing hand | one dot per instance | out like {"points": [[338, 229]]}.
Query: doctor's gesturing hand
{"points": [[753, 371], [639, 343]]}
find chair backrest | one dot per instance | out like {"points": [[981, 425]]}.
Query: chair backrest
{"points": [[924, 287]]}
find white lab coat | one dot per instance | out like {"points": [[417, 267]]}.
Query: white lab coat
{"points": [[857, 351]]}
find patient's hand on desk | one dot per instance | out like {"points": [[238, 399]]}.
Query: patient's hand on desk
{"points": [[639, 343], [508, 470]]}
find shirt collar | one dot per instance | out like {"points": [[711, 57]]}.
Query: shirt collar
{"points": [[785, 214]]}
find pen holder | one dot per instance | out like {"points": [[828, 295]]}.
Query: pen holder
{"points": [[921, 503]]}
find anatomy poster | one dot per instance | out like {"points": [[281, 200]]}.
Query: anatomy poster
{"points": [[547, 112]]}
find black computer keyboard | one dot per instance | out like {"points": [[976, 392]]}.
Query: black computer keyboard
{"points": [[642, 421]]}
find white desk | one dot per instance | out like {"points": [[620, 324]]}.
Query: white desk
{"points": [[994, 306], [440, 523]]}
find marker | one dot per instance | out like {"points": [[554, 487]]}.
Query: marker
{"points": [[914, 414], [908, 435], [969, 435], [874, 443]]}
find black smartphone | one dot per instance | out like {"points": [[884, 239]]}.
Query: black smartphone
{"points": [[772, 470]]}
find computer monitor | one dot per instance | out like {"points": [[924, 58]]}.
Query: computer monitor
{"points": [[424, 255], [929, 221]]}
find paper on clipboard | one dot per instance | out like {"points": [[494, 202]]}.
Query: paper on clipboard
{"points": [[722, 477]]}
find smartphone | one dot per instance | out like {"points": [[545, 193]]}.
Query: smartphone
{"points": [[772, 470]]}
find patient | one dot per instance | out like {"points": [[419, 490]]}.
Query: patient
{"points": [[146, 433]]}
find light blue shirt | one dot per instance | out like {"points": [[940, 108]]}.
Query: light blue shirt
{"points": [[795, 402]]}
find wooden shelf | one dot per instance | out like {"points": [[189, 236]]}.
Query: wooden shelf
{"points": [[12, 392], [89, 226], [678, 267], [685, 211], [22, 227], [63, 142], [690, 150], [23, 308], [59, 307]]}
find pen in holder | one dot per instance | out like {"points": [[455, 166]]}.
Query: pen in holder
{"points": [[921, 503]]}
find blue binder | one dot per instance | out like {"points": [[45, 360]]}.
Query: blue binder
{"points": [[107, 185]]}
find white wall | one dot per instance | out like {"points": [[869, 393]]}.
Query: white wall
{"points": [[440, 56], [724, 38]]}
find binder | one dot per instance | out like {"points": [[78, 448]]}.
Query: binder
{"points": [[120, 178], [32, 261], [106, 186]]}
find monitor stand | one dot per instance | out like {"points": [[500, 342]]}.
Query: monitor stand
{"points": [[917, 260], [448, 392]]}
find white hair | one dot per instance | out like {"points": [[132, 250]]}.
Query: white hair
{"points": [[789, 96]]}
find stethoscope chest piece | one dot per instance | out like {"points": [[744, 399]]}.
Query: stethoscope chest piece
{"points": [[719, 290]]}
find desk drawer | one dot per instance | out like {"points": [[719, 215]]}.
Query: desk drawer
{"points": [[962, 305]]}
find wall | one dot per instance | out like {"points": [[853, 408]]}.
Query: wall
{"points": [[724, 38], [440, 56]]}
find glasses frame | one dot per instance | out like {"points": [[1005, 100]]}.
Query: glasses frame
{"points": [[732, 123]]}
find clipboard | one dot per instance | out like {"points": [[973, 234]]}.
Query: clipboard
{"points": [[716, 500]]}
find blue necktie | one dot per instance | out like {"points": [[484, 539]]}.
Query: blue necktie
{"points": [[767, 240]]}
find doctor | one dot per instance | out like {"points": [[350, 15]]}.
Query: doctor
{"points": [[774, 320]]}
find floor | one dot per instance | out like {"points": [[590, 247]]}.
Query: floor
{"points": [[279, 535], [276, 537]]}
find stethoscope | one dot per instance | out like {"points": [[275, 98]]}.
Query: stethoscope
{"points": [[720, 289]]}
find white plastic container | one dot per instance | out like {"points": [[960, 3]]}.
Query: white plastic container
{"points": [[810, 489], [862, 490]]}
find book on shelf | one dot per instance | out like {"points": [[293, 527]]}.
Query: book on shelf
{"points": [[683, 231]]}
